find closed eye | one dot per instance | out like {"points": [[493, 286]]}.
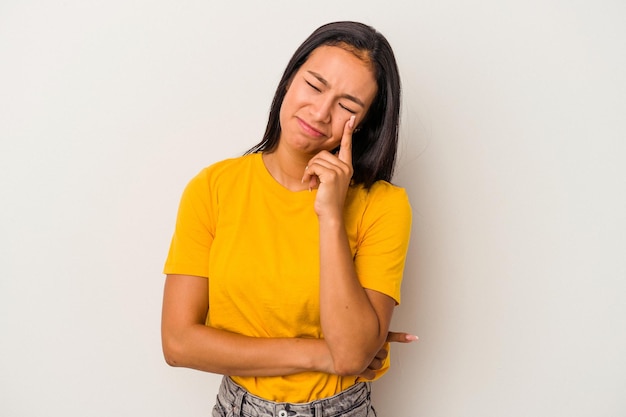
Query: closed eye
{"points": [[347, 109], [313, 87]]}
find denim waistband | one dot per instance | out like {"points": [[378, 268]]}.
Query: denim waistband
{"points": [[233, 400]]}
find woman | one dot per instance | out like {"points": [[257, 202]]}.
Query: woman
{"points": [[286, 263]]}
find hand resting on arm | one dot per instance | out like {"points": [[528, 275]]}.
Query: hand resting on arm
{"points": [[188, 342]]}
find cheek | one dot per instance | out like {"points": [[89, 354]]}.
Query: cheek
{"points": [[292, 103], [339, 124], [286, 108]]}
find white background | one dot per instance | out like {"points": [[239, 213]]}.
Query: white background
{"points": [[512, 152]]}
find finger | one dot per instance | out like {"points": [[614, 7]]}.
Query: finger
{"points": [[368, 374], [376, 364], [382, 354], [345, 149], [312, 169], [401, 337], [322, 168], [314, 182]]}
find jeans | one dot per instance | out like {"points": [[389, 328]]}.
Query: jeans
{"points": [[235, 401]]}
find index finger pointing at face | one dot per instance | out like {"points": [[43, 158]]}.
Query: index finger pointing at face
{"points": [[345, 149]]}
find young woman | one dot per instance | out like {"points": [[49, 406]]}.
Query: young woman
{"points": [[286, 263]]}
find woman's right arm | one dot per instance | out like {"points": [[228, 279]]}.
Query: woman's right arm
{"points": [[188, 342]]}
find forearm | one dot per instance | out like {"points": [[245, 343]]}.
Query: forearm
{"points": [[350, 324], [218, 351], [187, 342]]}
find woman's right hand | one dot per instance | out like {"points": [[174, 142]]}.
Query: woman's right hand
{"points": [[377, 362]]}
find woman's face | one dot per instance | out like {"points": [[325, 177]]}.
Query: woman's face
{"points": [[330, 87]]}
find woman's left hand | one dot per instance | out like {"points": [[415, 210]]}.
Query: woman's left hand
{"points": [[383, 352], [376, 364], [331, 175]]}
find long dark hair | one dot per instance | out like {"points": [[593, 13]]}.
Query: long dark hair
{"points": [[375, 142]]}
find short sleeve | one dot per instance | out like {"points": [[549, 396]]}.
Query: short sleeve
{"points": [[195, 229], [384, 239]]}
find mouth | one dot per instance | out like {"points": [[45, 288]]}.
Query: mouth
{"points": [[308, 129]]}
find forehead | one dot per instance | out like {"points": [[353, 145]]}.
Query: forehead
{"points": [[343, 55], [342, 68]]}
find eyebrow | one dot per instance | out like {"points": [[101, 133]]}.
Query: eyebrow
{"points": [[346, 96]]}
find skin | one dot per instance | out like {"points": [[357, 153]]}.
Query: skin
{"points": [[332, 86], [327, 97]]}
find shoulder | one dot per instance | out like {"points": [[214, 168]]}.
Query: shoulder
{"points": [[383, 203], [383, 194], [226, 170], [229, 166], [215, 178], [383, 189]]}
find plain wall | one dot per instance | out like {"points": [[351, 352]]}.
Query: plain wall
{"points": [[512, 151]]}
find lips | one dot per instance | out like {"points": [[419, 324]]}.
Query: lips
{"points": [[308, 129]]}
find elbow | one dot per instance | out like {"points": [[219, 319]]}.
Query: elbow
{"points": [[351, 365], [351, 361], [172, 353], [170, 359]]}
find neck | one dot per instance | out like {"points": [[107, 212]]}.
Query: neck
{"points": [[286, 168]]}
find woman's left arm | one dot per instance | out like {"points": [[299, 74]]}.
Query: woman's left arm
{"points": [[354, 320]]}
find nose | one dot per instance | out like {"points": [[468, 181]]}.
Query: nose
{"points": [[321, 109]]}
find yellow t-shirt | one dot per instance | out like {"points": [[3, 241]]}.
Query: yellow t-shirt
{"points": [[258, 244]]}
